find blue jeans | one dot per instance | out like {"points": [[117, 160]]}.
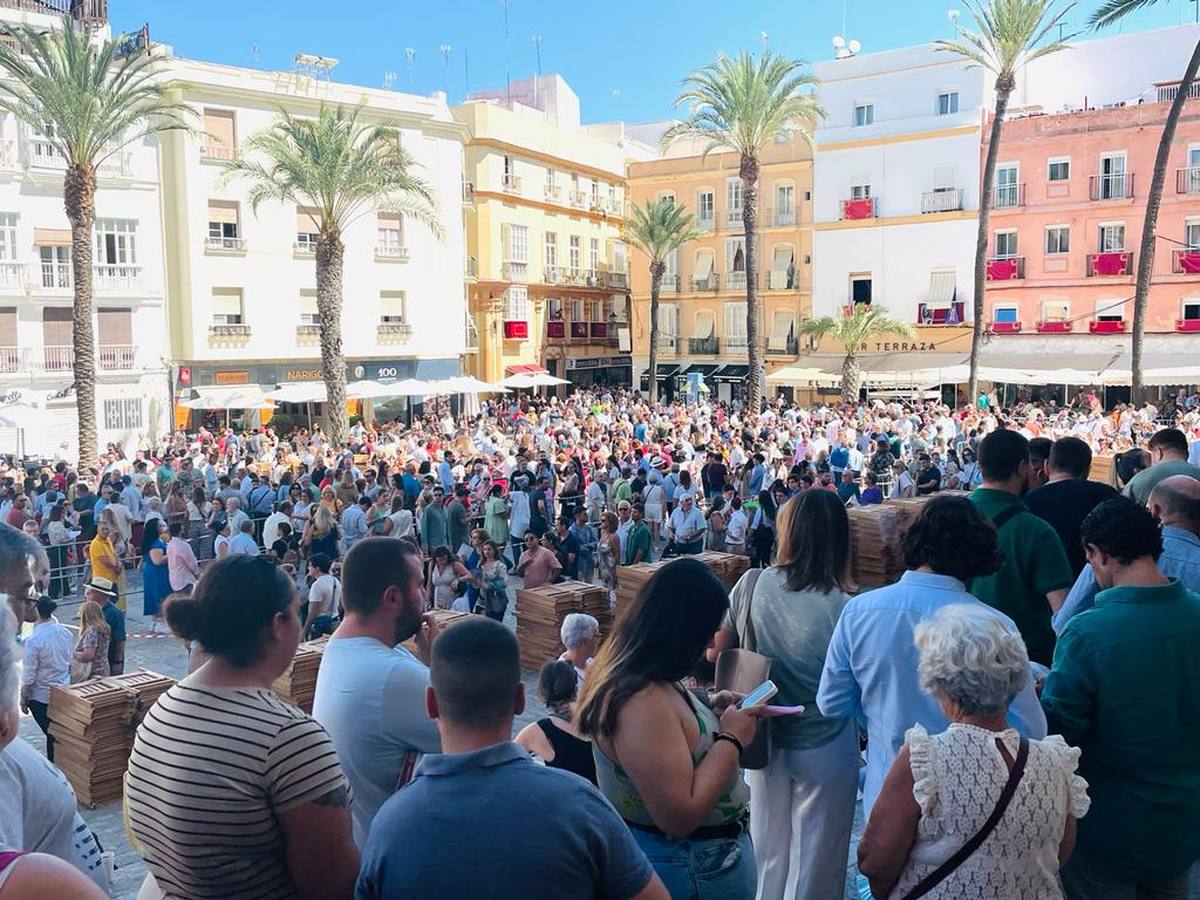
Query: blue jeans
{"points": [[720, 869]]}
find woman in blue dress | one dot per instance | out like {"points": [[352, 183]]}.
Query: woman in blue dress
{"points": [[156, 584]]}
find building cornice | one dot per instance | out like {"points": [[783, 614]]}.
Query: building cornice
{"points": [[557, 209], [803, 165], [558, 162], [883, 139], [917, 219]]}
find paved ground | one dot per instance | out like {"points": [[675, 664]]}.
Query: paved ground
{"points": [[166, 655]]}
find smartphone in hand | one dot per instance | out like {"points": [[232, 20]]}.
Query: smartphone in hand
{"points": [[759, 695]]}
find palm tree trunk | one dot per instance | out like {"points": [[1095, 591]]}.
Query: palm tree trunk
{"points": [[79, 199], [1004, 89], [754, 386], [1145, 271], [851, 379], [330, 253], [657, 267]]}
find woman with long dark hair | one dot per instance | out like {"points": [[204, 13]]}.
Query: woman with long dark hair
{"points": [[156, 583], [666, 761], [762, 529], [802, 804]]}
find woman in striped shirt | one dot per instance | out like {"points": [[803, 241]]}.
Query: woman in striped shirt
{"points": [[231, 792]]}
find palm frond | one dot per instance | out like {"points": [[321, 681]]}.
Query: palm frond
{"points": [[1007, 34], [658, 227], [1112, 11]]}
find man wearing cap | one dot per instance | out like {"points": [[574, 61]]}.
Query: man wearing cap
{"points": [[104, 592]]}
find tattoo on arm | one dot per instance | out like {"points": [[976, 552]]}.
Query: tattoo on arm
{"points": [[337, 797]]}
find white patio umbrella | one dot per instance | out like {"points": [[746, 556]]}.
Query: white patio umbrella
{"points": [[519, 380], [468, 384], [408, 387], [242, 396], [299, 392], [545, 379]]}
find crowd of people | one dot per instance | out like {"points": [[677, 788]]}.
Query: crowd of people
{"points": [[1005, 710]]}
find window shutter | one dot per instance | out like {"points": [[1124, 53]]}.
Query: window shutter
{"points": [[52, 237], [114, 327], [307, 221], [8, 326], [219, 128], [223, 211], [57, 326]]}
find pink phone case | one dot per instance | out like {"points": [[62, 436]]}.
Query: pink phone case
{"points": [[769, 711]]}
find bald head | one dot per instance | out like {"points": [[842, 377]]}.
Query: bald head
{"points": [[1176, 501]]}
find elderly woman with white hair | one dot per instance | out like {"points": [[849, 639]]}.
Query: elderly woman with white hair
{"points": [[580, 634], [976, 811]]}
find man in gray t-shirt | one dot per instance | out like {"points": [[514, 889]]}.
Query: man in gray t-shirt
{"points": [[370, 694]]}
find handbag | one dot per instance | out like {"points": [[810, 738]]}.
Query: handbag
{"points": [[744, 669], [938, 875]]}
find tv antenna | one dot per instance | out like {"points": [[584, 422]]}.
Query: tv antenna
{"points": [[507, 58], [952, 16], [843, 49], [254, 51], [764, 37], [446, 49], [410, 54], [389, 81]]}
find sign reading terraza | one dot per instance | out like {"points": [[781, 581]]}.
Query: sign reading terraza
{"points": [[898, 347], [925, 339]]}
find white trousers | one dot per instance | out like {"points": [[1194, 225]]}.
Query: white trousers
{"points": [[801, 813]]}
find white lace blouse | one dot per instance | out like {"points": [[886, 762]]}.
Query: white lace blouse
{"points": [[958, 777]]}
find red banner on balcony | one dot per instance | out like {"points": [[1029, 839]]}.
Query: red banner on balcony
{"points": [[858, 209], [1110, 263], [516, 331], [556, 329], [1189, 263], [1001, 269]]}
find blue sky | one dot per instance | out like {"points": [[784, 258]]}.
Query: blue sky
{"points": [[623, 57]]}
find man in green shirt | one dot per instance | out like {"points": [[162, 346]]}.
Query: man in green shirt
{"points": [[1169, 456], [1035, 576], [1125, 689], [637, 548], [621, 489]]}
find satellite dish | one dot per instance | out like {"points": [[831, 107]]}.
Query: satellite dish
{"points": [[854, 46], [839, 42]]}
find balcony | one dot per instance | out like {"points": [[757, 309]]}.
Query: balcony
{"points": [[225, 245], [705, 223], [516, 330], [598, 330], [228, 330], [706, 285], [556, 328], [1187, 181], [1008, 196], [392, 330], [862, 208], [472, 268], [118, 277], [733, 217], [735, 281], [1107, 326], [514, 271], [308, 330], [44, 155], [1169, 90], [468, 193], [1113, 263], [1004, 327], [614, 206], [391, 252], [1110, 187], [13, 275], [1054, 326], [782, 216], [1185, 262], [115, 357], [305, 245], [58, 359], [670, 284], [10, 359], [617, 280], [736, 345], [1187, 325], [579, 331], [942, 201], [578, 199], [929, 314], [1005, 268], [791, 347], [552, 192], [552, 274], [57, 276], [709, 346], [213, 152], [116, 166], [668, 344], [90, 12], [512, 184]]}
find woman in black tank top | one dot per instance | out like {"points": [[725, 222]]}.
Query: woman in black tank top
{"points": [[553, 738]]}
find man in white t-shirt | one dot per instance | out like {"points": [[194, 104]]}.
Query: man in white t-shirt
{"points": [[370, 694], [282, 513], [324, 590]]}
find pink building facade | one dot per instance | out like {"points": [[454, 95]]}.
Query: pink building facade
{"points": [[1066, 227]]}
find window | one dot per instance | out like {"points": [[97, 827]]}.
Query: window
{"points": [[551, 250], [671, 261], [518, 244], [1056, 311], [1112, 238], [1191, 232], [220, 135], [551, 183], [223, 230], [860, 288], [123, 414], [509, 171], [785, 204], [554, 309], [947, 103], [733, 197], [1008, 191], [864, 114], [704, 208], [1059, 169], [309, 315], [8, 237], [1058, 238], [114, 333], [945, 177], [668, 197], [593, 254], [308, 230], [56, 266], [1112, 176], [389, 234], [618, 307], [1191, 309], [577, 310], [668, 324], [516, 303], [227, 306], [860, 187], [1006, 244], [393, 308], [116, 242], [735, 327], [595, 193], [1110, 310], [735, 255], [1005, 315], [573, 255], [620, 257]]}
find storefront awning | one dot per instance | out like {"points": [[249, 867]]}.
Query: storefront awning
{"points": [[665, 370], [527, 369], [704, 369], [730, 373]]}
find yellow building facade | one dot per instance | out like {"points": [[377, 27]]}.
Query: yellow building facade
{"points": [[548, 271], [702, 310]]}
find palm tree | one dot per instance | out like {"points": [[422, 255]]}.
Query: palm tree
{"points": [[87, 102], [342, 169], [1109, 13], [658, 228], [740, 104], [852, 331], [1009, 34]]}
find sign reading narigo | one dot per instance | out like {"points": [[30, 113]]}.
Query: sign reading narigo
{"points": [[302, 375]]}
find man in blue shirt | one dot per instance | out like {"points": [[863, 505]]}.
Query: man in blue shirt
{"points": [[687, 526], [535, 831], [446, 472], [758, 476], [871, 666]]}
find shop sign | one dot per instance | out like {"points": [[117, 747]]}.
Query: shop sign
{"points": [[301, 375], [231, 378]]}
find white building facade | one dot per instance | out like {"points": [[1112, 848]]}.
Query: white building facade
{"points": [[242, 283]]}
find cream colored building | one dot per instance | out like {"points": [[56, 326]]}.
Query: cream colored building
{"points": [[548, 268], [242, 283], [702, 309]]}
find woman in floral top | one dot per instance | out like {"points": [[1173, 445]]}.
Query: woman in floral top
{"points": [[90, 659]]}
